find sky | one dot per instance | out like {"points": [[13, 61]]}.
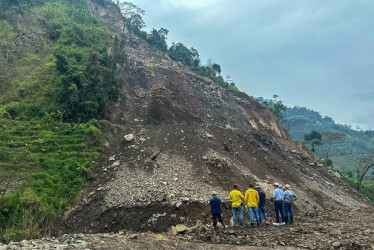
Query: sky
{"points": [[313, 53]]}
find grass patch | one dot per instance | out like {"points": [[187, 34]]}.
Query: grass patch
{"points": [[43, 166]]}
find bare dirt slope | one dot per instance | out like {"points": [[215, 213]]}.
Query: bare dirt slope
{"points": [[185, 137]]}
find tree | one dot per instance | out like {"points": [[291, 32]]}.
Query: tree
{"points": [[157, 38], [179, 52], [133, 15], [364, 164], [217, 68], [329, 139], [276, 106], [314, 138]]}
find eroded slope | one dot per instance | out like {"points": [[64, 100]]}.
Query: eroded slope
{"points": [[189, 137]]}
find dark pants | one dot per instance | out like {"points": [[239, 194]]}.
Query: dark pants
{"points": [[288, 211], [217, 217], [278, 205]]}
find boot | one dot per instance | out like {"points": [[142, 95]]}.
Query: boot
{"points": [[223, 224], [291, 219]]}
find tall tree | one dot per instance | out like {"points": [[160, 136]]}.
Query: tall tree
{"points": [[329, 139], [363, 165], [133, 14], [314, 138], [276, 106], [157, 38]]}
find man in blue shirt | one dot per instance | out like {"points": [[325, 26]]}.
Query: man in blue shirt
{"points": [[278, 204], [261, 205], [288, 199], [215, 205]]}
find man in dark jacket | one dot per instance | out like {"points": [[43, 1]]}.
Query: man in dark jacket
{"points": [[261, 205], [215, 205]]}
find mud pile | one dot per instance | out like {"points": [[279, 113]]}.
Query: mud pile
{"points": [[174, 136]]}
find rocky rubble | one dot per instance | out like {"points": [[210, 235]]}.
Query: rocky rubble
{"points": [[338, 229]]}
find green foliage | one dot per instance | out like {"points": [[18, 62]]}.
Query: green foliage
{"points": [[157, 39], [301, 121], [367, 188], [88, 82], [73, 67], [275, 106], [48, 162], [189, 57], [314, 138], [69, 75]]}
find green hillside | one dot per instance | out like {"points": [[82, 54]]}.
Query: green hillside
{"points": [[300, 121], [337, 146], [344, 154], [56, 80]]}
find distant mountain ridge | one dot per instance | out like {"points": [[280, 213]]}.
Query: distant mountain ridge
{"points": [[301, 120]]}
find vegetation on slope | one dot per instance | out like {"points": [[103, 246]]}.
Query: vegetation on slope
{"points": [[56, 78], [301, 121], [340, 147]]}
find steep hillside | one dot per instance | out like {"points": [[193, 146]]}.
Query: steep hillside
{"points": [[174, 136], [77, 145], [53, 62]]}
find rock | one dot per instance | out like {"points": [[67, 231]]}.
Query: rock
{"points": [[336, 244], [129, 137], [174, 230], [142, 139], [136, 120], [178, 204], [134, 236], [209, 135], [116, 164], [179, 229], [228, 126], [204, 157]]}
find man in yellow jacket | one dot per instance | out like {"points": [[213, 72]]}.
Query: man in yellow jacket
{"points": [[236, 197], [251, 200]]}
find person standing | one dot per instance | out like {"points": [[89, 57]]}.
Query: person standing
{"points": [[216, 210], [278, 204], [261, 205], [251, 200], [289, 198], [237, 198]]}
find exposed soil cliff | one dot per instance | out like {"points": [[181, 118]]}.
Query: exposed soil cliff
{"points": [[185, 137]]}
